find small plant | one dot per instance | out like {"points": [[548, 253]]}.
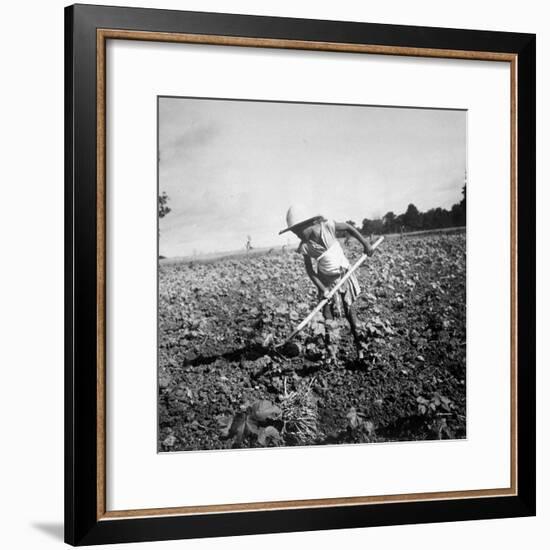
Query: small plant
{"points": [[299, 414], [435, 410], [253, 423], [358, 426], [434, 405], [294, 421]]}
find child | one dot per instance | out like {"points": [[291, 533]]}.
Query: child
{"points": [[319, 242]]}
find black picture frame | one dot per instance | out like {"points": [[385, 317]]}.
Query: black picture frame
{"points": [[84, 525]]}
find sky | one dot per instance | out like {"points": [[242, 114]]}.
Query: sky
{"points": [[233, 168]]}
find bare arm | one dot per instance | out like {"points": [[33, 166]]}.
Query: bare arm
{"points": [[367, 248], [313, 275]]}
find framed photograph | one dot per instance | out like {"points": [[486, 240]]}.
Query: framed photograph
{"points": [[300, 275]]}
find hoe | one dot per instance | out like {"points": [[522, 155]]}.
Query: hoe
{"points": [[290, 349]]}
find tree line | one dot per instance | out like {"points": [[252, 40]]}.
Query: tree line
{"points": [[411, 220], [414, 220]]}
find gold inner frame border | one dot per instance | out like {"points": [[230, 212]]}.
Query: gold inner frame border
{"points": [[102, 35]]}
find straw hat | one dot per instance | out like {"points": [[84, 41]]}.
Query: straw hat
{"points": [[295, 219]]}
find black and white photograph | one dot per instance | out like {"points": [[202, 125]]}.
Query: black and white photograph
{"points": [[312, 274], [275, 275]]}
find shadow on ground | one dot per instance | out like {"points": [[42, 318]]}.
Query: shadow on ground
{"points": [[52, 529]]}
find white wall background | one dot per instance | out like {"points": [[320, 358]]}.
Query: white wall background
{"points": [[31, 289]]}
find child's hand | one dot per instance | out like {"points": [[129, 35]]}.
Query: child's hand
{"points": [[368, 250], [323, 292]]}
